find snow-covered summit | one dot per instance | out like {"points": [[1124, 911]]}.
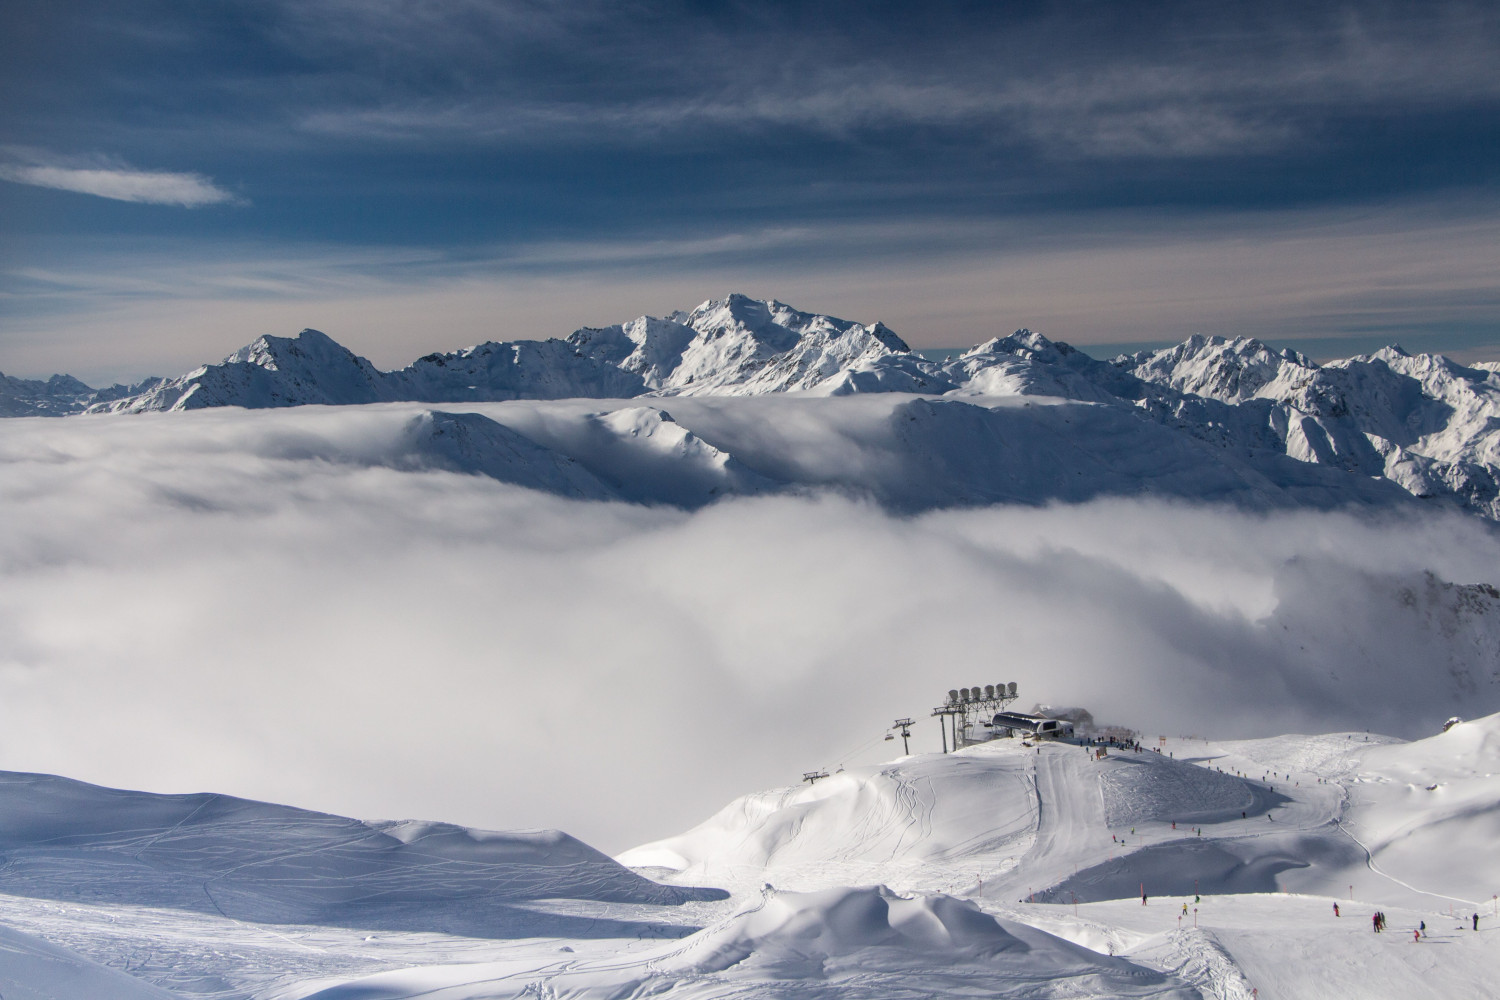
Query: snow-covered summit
{"points": [[1228, 370], [743, 346], [272, 371]]}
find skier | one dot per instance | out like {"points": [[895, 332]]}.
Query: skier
{"points": [[1375, 922], [1335, 909], [1184, 909], [1416, 937], [1476, 921], [1422, 926]]}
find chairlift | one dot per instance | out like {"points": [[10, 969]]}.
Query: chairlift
{"points": [[890, 736]]}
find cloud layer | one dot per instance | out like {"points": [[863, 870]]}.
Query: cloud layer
{"points": [[259, 603]]}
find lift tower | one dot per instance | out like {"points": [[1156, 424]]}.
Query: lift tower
{"points": [[967, 708]]}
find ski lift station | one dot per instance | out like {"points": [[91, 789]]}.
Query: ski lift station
{"points": [[1016, 724], [979, 714]]}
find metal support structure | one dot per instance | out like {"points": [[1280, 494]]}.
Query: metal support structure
{"points": [[967, 707], [905, 726], [811, 777]]}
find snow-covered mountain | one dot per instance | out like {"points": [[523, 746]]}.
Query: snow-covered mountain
{"points": [[59, 395], [312, 368], [743, 347], [1422, 422]]}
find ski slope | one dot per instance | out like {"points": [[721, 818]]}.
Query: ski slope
{"points": [[1005, 869]]}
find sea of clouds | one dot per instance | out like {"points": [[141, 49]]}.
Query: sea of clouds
{"points": [[276, 604]]}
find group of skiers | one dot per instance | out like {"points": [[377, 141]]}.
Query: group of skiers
{"points": [[1377, 921]]}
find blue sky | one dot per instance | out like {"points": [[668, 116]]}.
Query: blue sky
{"points": [[177, 178]]}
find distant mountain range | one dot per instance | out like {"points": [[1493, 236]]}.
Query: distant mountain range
{"points": [[1423, 422]]}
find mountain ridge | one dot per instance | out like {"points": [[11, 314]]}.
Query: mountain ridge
{"points": [[1423, 422]]}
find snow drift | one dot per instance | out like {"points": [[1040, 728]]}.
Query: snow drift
{"points": [[847, 943]]}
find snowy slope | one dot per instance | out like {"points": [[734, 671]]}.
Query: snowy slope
{"points": [[923, 822], [849, 943], [1001, 870], [1055, 824], [1415, 806], [474, 444], [34, 969], [69, 841]]}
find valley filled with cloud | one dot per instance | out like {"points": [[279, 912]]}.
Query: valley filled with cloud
{"points": [[290, 605]]}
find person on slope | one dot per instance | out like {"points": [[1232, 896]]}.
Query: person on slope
{"points": [[1335, 909], [1375, 921], [1476, 921], [1416, 937]]}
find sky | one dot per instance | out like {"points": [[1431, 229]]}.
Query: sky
{"points": [[177, 178]]}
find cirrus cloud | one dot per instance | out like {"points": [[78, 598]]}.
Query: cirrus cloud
{"points": [[119, 182]]}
